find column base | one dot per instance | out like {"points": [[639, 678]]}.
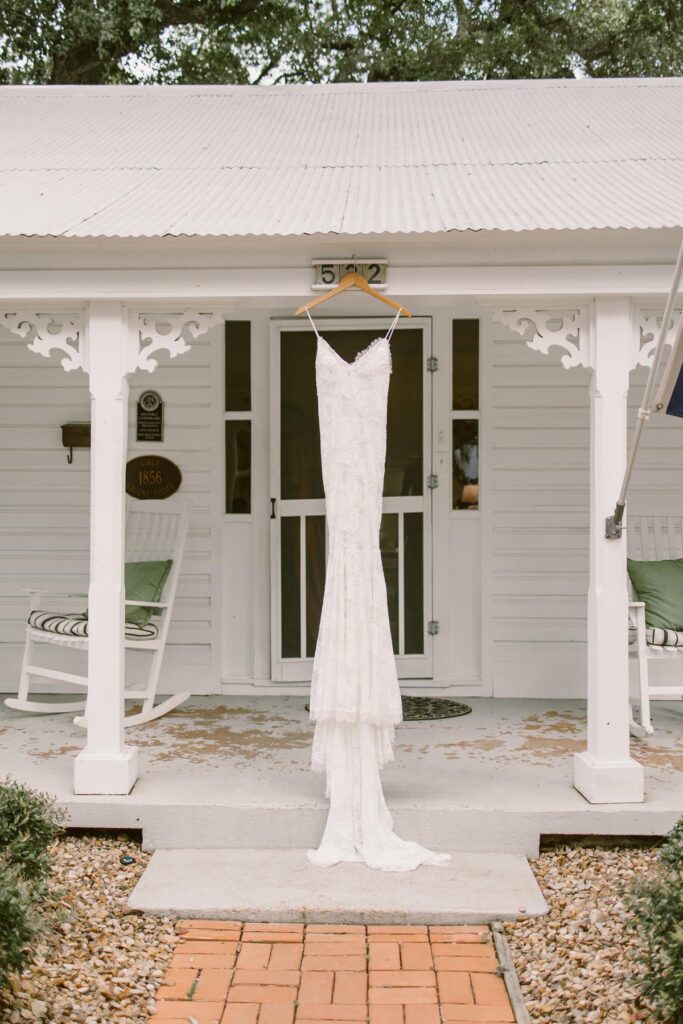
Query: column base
{"points": [[621, 782], [106, 774]]}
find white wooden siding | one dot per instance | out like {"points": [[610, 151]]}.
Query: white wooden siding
{"points": [[535, 470], [657, 485], [536, 466], [44, 501]]}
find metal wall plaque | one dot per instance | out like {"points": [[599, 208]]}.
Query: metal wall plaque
{"points": [[328, 273], [150, 417], [151, 477]]}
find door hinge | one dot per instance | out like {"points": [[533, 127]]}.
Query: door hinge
{"points": [[432, 481], [433, 627], [432, 363]]}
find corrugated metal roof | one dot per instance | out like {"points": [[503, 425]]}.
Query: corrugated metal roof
{"points": [[344, 159]]}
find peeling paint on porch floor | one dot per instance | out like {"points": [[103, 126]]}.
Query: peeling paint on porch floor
{"points": [[221, 770]]}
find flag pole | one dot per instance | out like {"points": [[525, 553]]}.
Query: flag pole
{"points": [[613, 523]]}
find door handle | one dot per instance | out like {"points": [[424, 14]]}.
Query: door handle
{"points": [[272, 508]]}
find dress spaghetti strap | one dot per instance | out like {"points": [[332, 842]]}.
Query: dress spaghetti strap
{"points": [[393, 326], [388, 335], [312, 323]]}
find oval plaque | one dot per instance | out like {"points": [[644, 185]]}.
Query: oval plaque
{"points": [[152, 477]]}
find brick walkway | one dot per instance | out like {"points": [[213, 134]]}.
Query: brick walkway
{"points": [[224, 972]]}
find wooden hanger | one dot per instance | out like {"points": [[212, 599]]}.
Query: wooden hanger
{"points": [[353, 280]]}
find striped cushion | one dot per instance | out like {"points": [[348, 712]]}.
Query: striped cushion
{"points": [[77, 625], [656, 636], [659, 637]]}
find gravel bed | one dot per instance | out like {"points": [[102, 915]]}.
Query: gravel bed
{"points": [[578, 962], [97, 962]]}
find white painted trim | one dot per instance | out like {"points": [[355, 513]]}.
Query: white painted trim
{"points": [[217, 358], [260, 468], [605, 772], [464, 414], [107, 764], [220, 288], [486, 433], [276, 663], [442, 597], [412, 687], [50, 333], [556, 326], [428, 551]]}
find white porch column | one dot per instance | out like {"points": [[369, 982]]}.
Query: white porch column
{"points": [[107, 764], [605, 771], [107, 342], [118, 343]]}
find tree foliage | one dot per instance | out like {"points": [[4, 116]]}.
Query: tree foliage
{"points": [[241, 41]]}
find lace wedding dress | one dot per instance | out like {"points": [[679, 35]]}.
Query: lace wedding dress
{"points": [[355, 696]]}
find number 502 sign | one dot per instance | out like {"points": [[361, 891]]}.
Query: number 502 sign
{"points": [[328, 273]]}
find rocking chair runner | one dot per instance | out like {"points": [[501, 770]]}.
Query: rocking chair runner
{"points": [[155, 530]]}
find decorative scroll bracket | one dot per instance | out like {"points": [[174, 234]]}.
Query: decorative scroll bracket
{"points": [[562, 327], [165, 332], [649, 322], [49, 332], [149, 333]]}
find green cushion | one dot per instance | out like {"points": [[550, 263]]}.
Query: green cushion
{"points": [[144, 581], [660, 585]]}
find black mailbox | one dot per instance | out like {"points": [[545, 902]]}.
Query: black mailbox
{"points": [[75, 435]]}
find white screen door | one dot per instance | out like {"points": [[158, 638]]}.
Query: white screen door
{"points": [[298, 539]]}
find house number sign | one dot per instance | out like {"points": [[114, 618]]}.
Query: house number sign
{"points": [[152, 477], [150, 417], [328, 273]]}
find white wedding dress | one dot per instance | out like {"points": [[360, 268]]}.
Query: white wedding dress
{"points": [[355, 695]]}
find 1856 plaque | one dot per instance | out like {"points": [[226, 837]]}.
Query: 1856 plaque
{"points": [[150, 417], [152, 477]]}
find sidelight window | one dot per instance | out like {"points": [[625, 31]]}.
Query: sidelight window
{"points": [[465, 414], [237, 417]]}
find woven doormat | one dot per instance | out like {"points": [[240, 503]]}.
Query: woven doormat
{"points": [[422, 709]]}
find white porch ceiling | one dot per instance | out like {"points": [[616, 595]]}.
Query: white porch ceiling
{"points": [[150, 161]]}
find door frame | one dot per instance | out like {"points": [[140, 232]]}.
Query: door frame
{"points": [[289, 671]]}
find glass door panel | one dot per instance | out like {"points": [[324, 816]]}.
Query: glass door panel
{"points": [[299, 534]]}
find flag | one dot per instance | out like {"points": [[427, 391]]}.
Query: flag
{"points": [[670, 393]]}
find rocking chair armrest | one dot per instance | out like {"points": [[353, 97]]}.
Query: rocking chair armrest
{"points": [[147, 604], [637, 612]]}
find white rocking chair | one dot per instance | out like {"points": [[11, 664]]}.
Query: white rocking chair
{"points": [[651, 538], [155, 530]]}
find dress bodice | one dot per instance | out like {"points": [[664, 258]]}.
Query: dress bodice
{"points": [[352, 410]]}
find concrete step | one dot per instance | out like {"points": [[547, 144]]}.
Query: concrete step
{"points": [[503, 820], [282, 886]]}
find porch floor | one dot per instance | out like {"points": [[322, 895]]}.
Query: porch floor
{"points": [[234, 772]]}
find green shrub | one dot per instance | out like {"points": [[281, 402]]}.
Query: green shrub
{"points": [[29, 824], [656, 906], [20, 922]]}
